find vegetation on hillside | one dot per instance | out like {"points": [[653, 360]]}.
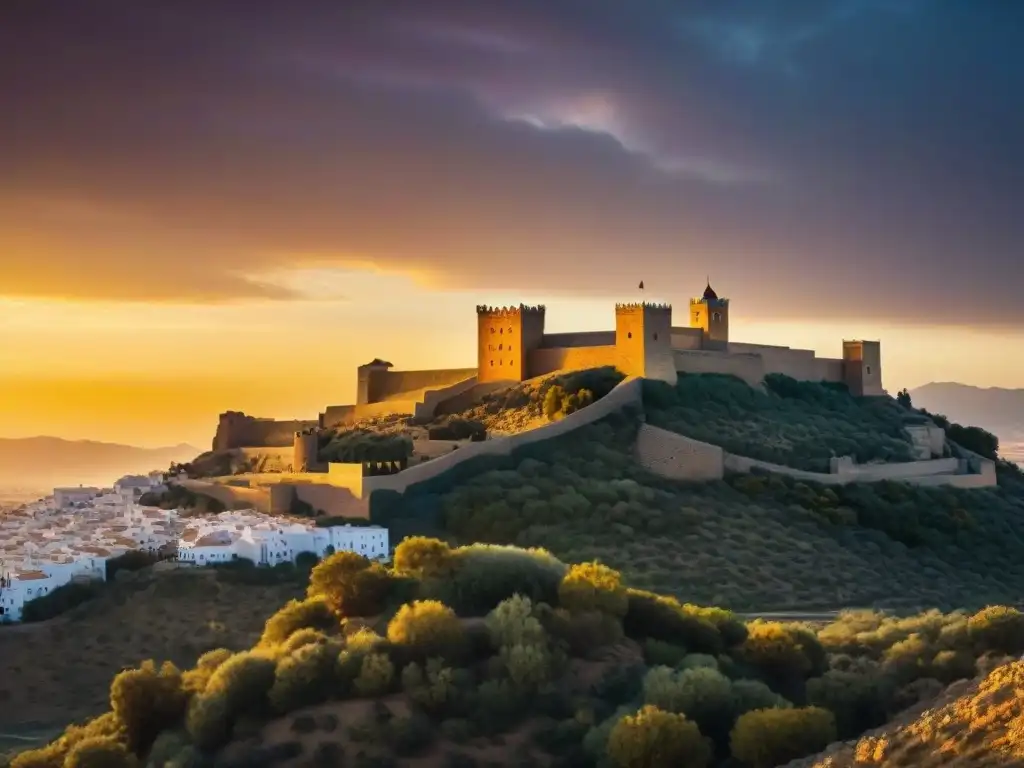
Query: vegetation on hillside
{"points": [[179, 497], [497, 655], [531, 403], [795, 423], [750, 542], [354, 446]]}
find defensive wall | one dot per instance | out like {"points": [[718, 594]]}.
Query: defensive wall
{"points": [[677, 457], [239, 430], [376, 382]]}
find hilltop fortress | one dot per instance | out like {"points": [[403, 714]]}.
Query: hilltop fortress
{"points": [[512, 346]]}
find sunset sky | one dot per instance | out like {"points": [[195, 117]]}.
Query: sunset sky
{"points": [[208, 204]]}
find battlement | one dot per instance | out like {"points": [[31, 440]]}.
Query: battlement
{"points": [[511, 311], [308, 432], [712, 302], [639, 306]]}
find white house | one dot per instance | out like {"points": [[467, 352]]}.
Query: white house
{"points": [[65, 497]]}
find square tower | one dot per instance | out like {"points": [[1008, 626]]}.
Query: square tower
{"points": [[862, 368], [370, 381], [711, 315], [505, 338], [643, 341]]}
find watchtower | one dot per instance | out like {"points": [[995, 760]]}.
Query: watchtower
{"points": [[862, 368], [643, 341], [305, 450], [233, 428], [711, 315], [505, 338], [370, 381]]}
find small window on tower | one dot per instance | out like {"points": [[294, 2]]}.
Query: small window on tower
{"points": [[501, 330], [629, 335], [492, 330], [510, 329], [867, 369], [717, 317], [655, 337]]}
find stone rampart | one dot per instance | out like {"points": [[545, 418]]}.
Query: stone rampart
{"points": [[432, 398], [341, 416], [239, 430], [748, 367], [628, 392], [674, 456], [399, 384], [550, 359]]}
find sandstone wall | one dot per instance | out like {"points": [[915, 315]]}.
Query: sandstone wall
{"points": [[231, 496], [748, 367], [339, 416], [626, 393], [687, 338], [579, 339], [550, 359], [677, 457], [238, 430], [432, 398], [397, 384]]}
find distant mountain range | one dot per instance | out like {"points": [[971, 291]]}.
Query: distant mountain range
{"points": [[1000, 411], [41, 463]]}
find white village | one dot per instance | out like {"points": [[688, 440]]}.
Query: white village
{"points": [[72, 534]]}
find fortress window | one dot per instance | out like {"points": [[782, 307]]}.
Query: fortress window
{"points": [[655, 337], [510, 329], [500, 347], [629, 334], [492, 363], [492, 330], [717, 316], [501, 330], [867, 369]]}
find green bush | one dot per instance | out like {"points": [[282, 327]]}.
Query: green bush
{"points": [[376, 675], [304, 677], [484, 575], [593, 587], [244, 681], [663, 618], [782, 653], [350, 584], [362, 445], [766, 738], [512, 622], [453, 428], [209, 720], [59, 600], [652, 737]]}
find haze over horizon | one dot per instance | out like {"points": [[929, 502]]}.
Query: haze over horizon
{"points": [[212, 205]]}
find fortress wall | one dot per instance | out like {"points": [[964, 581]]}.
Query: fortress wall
{"points": [[340, 416], [231, 496], [332, 500], [625, 393], [928, 438], [237, 430], [432, 398], [578, 339], [466, 400], [900, 471], [748, 367], [549, 359], [389, 384], [674, 456], [687, 338]]}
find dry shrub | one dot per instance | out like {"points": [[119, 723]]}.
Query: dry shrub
{"points": [[430, 627], [244, 681], [106, 726], [590, 587], [311, 613], [663, 618], [652, 737], [100, 752], [997, 629], [350, 584], [195, 680], [147, 701], [782, 652], [766, 738], [209, 720]]}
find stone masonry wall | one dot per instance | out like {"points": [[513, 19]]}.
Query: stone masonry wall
{"points": [[549, 359], [674, 456]]}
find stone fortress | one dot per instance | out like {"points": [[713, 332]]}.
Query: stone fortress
{"points": [[512, 346]]}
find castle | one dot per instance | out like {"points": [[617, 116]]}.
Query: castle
{"points": [[512, 346]]}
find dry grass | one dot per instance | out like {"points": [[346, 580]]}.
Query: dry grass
{"points": [[59, 671], [973, 725]]}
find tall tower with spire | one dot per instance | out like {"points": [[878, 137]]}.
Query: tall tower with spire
{"points": [[711, 314]]}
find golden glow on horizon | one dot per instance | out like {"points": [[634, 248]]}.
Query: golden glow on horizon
{"points": [[159, 374]]}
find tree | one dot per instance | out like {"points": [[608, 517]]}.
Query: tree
{"points": [[903, 398], [422, 557], [768, 737], [593, 587], [429, 626], [147, 700]]}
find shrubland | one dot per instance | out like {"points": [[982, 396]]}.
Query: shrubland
{"points": [[800, 424], [749, 542], [490, 655]]}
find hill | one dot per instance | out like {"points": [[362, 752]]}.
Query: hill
{"points": [[501, 656], [1000, 411], [46, 462]]}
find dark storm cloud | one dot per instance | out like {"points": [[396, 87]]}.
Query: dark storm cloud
{"points": [[839, 156]]}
